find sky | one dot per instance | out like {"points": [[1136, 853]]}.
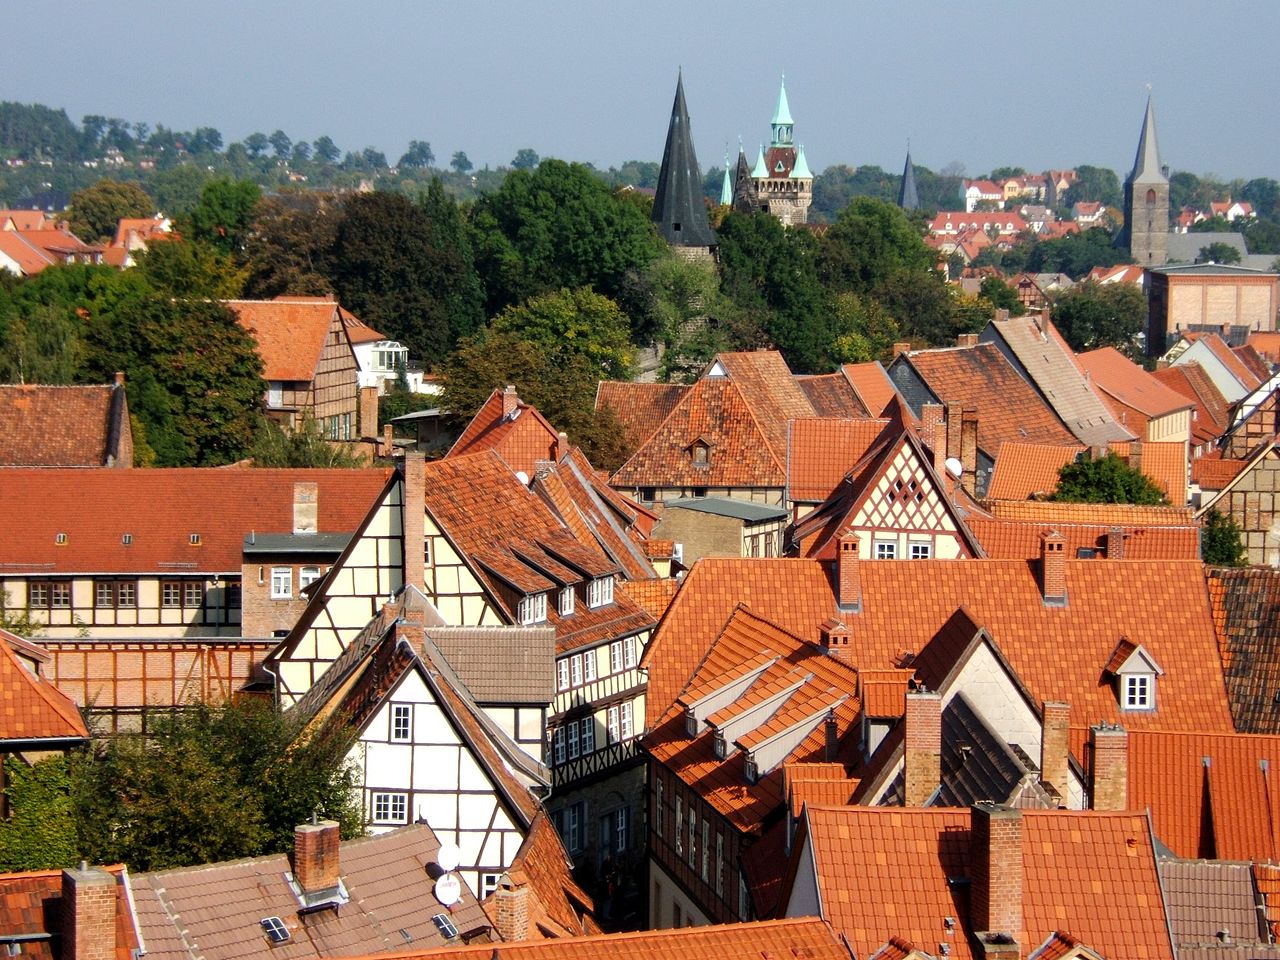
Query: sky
{"points": [[981, 84]]}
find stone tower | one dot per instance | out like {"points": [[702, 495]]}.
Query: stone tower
{"points": [[678, 209], [1146, 200], [783, 182], [908, 199]]}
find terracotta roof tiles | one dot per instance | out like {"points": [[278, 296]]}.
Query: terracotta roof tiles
{"points": [[639, 407], [31, 904], [1235, 366], [1214, 473], [61, 426], [1129, 384], [832, 395], [654, 595], [872, 385], [820, 452], [1212, 410], [1164, 463], [290, 333], [31, 707], [523, 435], [1246, 611]]}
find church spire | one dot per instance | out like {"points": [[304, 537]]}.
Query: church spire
{"points": [[745, 197], [1146, 165], [678, 209], [908, 199], [783, 125], [726, 186]]}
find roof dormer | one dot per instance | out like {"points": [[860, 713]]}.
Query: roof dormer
{"points": [[1135, 672], [700, 453]]}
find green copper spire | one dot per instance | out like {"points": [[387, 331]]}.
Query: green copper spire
{"points": [[801, 170], [726, 186], [782, 122], [761, 171]]}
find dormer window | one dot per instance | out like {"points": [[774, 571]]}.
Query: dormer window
{"points": [[690, 723], [533, 609], [722, 749], [566, 601], [1139, 691], [600, 592], [1135, 672]]}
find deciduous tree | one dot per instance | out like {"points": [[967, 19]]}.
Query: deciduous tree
{"points": [[96, 210], [1106, 479], [1092, 315], [1220, 543]]}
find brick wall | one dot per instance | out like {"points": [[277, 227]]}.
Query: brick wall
{"points": [[88, 914], [995, 870], [923, 746]]}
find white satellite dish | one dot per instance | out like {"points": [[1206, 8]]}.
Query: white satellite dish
{"points": [[448, 857], [522, 477], [954, 467], [448, 890]]}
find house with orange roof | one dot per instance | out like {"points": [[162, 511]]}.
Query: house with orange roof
{"points": [[516, 430], [29, 245], [1247, 496], [1228, 373], [1253, 420], [976, 192], [1267, 345], [639, 407], [982, 882], [17, 221], [87, 911], [1120, 273], [1204, 296], [308, 362], [381, 361], [39, 719], [134, 234], [75, 426], [1211, 417], [1007, 529], [1005, 225], [1140, 402]]}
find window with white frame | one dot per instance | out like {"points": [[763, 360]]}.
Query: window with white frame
{"points": [[588, 666], [1139, 691], [575, 670], [308, 576], [566, 601], [615, 657], [629, 648], [557, 746], [921, 551], [489, 883], [570, 822], [612, 724], [562, 674], [533, 609], [625, 713], [281, 583], [691, 849], [588, 728], [600, 592], [390, 808], [886, 550], [401, 722], [615, 831], [571, 737]]}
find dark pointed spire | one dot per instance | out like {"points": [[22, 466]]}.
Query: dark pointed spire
{"points": [[908, 199], [745, 198], [678, 209], [1146, 165]]}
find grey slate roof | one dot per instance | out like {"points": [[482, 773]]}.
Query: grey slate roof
{"points": [[501, 665], [1206, 897], [1247, 616], [1146, 165], [678, 210], [908, 199], [745, 197], [318, 543], [728, 507], [1185, 247]]}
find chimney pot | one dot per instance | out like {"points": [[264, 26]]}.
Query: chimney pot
{"points": [[512, 908], [922, 746], [900, 348], [562, 445], [387, 440], [316, 855], [969, 449], [967, 340], [1053, 569], [509, 400], [1110, 774], [833, 637], [1055, 747], [119, 378], [368, 412], [1115, 543], [848, 579]]}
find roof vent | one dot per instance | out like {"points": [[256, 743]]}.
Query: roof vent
{"points": [[126, 538], [60, 539]]}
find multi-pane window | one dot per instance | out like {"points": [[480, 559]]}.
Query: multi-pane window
{"points": [[115, 593], [49, 595], [575, 670], [192, 594], [659, 811], [600, 592], [588, 665], [679, 825], [588, 725], [569, 821], [566, 601], [489, 883], [615, 831], [627, 724], [308, 576], [615, 657], [691, 850], [886, 550], [562, 674], [620, 722], [557, 746], [629, 648], [706, 847], [572, 737], [281, 583], [390, 808], [1137, 691], [612, 724], [921, 551], [719, 864], [182, 593], [401, 722], [533, 609]]}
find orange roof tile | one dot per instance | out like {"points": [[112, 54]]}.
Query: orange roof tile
{"points": [[1266, 343], [1107, 514], [25, 220], [820, 452], [885, 872], [32, 708], [639, 407], [159, 510], [29, 257], [653, 595], [31, 904], [1058, 651], [770, 391], [1252, 359], [1214, 473], [515, 429], [832, 395], [1129, 385], [1164, 463], [558, 905], [1212, 410], [872, 385], [290, 333], [1235, 366], [1024, 470], [1012, 539], [61, 426]]}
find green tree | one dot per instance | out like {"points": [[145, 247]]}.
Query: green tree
{"points": [[40, 343], [259, 776], [1218, 252], [281, 144], [1092, 315], [303, 447], [460, 163], [1220, 543], [418, 156], [525, 159], [1106, 479], [1075, 254], [224, 213], [256, 144], [191, 269], [1001, 296], [326, 150], [177, 188], [574, 321], [1095, 184], [40, 833], [290, 244], [864, 330], [96, 210], [1264, 194], [869, 242]]}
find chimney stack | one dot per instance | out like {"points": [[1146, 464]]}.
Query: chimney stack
{"points": [[1053, 569], [1135, 455], [414, 510], [119, 378], [967, 340], [387, 437], [1002, 314], [1110, 773], [1055, 746], [933, 428], [368, 412], [848, 580], [1115, 543], [511, 907], [922, 736], [315, 856], [88, 914], [900, 348], [955, 419], [833, 637], [969, 449], [306, 506], [562, 445], [509, 400], [995, 878]]}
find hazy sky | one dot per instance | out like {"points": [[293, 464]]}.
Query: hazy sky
{"points": [[983, 83]]}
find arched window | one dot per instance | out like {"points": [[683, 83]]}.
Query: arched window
{"points": [[1151, 195]]}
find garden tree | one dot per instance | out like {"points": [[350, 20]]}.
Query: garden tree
{"points": [[177, 189], [418, 156], [281, 144], [525, 159], [40, 343], [1215, 224], [1220, 543], [1092, 315], [1106, 479], [870, 241], [734, 327], [577, 321], [190, 269], [557, 226], [326, 150], [1001, 296], [1095, 184], [864, 330], [224, 214], [290, 244], [924, 306], [1262, 236], [682, 292], [1004, 173], [256, 144], [460, 163], [970, 312], [406, 269], [259, 776], [95, 210], [1075, 254], [303, 447], [1264, 194], [772, 272], [40, 833], [1218, 252]]}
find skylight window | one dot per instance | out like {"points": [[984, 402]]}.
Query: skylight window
{"points": [[275, 930], [445, 926]]}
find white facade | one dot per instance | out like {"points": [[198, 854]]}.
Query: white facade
{"points": [[379, 364]]}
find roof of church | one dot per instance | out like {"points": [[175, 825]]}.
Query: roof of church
{"points": [[1146, 165], [678, 209], [908, 199], [782, 115], [801, 170]]}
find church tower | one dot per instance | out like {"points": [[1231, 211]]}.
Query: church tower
{"points": [[783, 181], [678, 208], [908, 199], [1146, 200]]}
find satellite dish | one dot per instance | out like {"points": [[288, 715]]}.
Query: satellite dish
{"points": [[448, 857], [522, 477], [954, 467], [448, 890]]}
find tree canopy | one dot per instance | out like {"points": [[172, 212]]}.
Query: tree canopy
{"points": [[1106, 479], [1220, 543], [96, 210], [1092, 315]]}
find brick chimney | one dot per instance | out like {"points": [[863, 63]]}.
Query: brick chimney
{"points": [[1054, 747], [848, 580], [969, 449], [415, 495], [1053, 569], [900, 348], [511, 907], [562, 445], [955, 420], [509, 400], [833, 637], [387, 440], [995, 878], [1109, 743], [1135, 455], [931, 420], [967, 340], [315, 856], [368, 411], [306, 506], [88, 914], [1002, 314], [119, 378], [922, 736], [1115, 543]]}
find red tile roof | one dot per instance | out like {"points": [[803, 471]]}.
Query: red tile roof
{"points": [[639, 407], [1252, 359], [1129, 385], [62, 426], [820, 452], [29, 257], [1014, 529], [31, 904], [523, 436], [1213, 415], [653, 595], [872, 384], [290, 333], [25, 220], [1266, 343], [1058, 651], [558, 906], [770, 391], [160, 510], [832, 395], [1235, 366], [32, 708], [1025, 470], [887, 872], [1214, 473]]}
